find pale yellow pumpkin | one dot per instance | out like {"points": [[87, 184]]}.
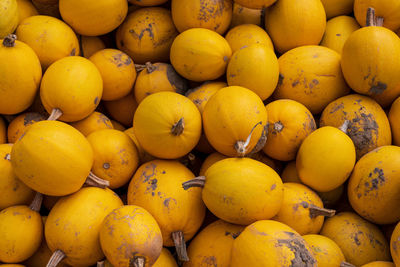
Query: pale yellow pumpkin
{"points": [[18, 126], [90, 45], [326, 252], [8, 17], [165, 260], [94, 122], [243, 15], [388, 11], [334, 8], [25, 9], [123, 109], [247, 34]]}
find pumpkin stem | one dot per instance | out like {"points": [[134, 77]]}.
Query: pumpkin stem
{"points": [[344, 126], [9, 40], [150, 67], [36, 202], [379, 21], [370, 17], [56, 258], [178, 127], [137, 261], [278, 126], [100, 264], [195, 182], [317, 211], [180, 245], [346, 264], [241, 146], [55, 114], [261, 142], [93, 180]]}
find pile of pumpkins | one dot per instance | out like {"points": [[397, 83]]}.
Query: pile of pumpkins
{"points": [[200, 133]]}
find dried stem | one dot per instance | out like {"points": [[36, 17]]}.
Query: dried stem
{"points": [[195, 182], [344, 126], [9, 40], [137, 261], [100, 264], [93, 180], [261, 142], [241, 146], [346, 264], [370, 17], [150, 67], [379, 21], [178, 127], [36, 203], [180, 245], [56, 258], [55, 114], [139, 67], [317, 211]]}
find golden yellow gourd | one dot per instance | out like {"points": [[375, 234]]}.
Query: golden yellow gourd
{"points": [[247, 34], [243, 15], [143, 155], [200, 54], [334, 8], [379, 264], [326, 252], [3, 131], [123, 109], [49, 37], [388, 11], [18, 126], [90, 45], [25, 9], [165, 260], [94, 122], [8, 17], [255, 3], [201, 94], [393, 116], [209, 161], [120, 226]]}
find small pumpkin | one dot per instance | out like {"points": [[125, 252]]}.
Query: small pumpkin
{"points": [[255, 3], [147, 2], [25, 9], [165, 260], [289, 173], [90, 45], [247, 34], [335, 8], [210, 160], [243, 15], [201, 94], [8, 17], [143, 155], [94, 122], [3, 131], [123, 109], [386, 11], [18, 126], [393, 116], [379, 264]]}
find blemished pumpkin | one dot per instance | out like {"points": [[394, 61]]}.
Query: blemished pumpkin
{"points": [[157, 187], [247, 34], [243, 15], [311, 75], [90, 45], [147, 2], [394, 114], [158, 77], [212, 246], [293, 24], [92, 123], [201, 94], [289, 123], [120, 226], [167, 125], [387, 12], [147, 34], [123, 109], [335, 8], [254, 67], [93, 17], [200, 54], [3, 131], [73, 225], [268, 243], [25, 9], [19, 124], [71, 89], [254, 4], [360, 241], [214, 15], [8, 17], [165, 260], [57, 39], [234, 121], [20, 77]]}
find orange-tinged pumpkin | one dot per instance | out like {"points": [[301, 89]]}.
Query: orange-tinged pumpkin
{"points": [[393, 116], [388, 10], [73, 86], [147, 34], [25, 9], [209, 161], [243, 15], [200, 54], [255, 3], [165, 260], [247, 34], [8, 17], [167, 125], [326, 252], [49, 37], [147, 2], [123, 109], [292, 24], [118, 126], [201, 94], [289, 173], [94, 122], [311, 75], [3, 131], [289, 123], [93, 17], [379, 264], [90, 45], [20, 77], [18, 126], [334, 8]]}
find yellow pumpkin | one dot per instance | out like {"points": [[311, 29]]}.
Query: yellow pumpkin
{"points": [[18, 126], [201, 94], [94, 122], [312, 76], [120, 226], [293, 24], [209, 161], [269, 243], [338, 31], [234, 119], [123, 109], [3, 131], [334, 8], [117, 71], [52, 158], [156, 78], [395, 244], [147, 34], [143, 155], [8, 17], [90, 45], [165, 260], [71, 87], [93, 17], [360, 241], [255, 3], [330, 198], [73, 225], [25, 9], [214, 15], [256, 68], [247, 34], [393, 116], [368, 125], [200, 54], [50, 38], [326, 252], [289, 173], [289, 123], [379, 264], [243, 15], [157, 187], [147, 2], [20, 77], [212, 246], [117, 126], [387, 10], [167, 125]]}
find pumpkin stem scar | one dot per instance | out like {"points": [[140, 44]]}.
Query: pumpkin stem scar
{"points": [[106, 165], [346, 264], [137, 262], [344, 126], [150, 67], [93, 180], [100, 264], [241, 146], [55, 114], [9, 40], [317, 211], [36, 202], [180, 245], [178, 127], [195, 182], [56, 258]]}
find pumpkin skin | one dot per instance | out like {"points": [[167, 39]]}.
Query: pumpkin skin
{"points": [[123, 109], [289, 173], [57, 39], [146, 43], [209, 161], [326, 252], [19, 78], [255, 3], [368, 125], [243, 15], [247, 34], [334, 8], [93, 17], [25, 9], [143, 155], [379, 264], [311, 75], [208, 14], [90, 45], [73, 85], [338, 31], [325, 159], [269, 243], [147, 2], [360, 241], [304, 21], [201, 94], [388, 10], [155, 122], [289, 123], [19, 125], [394, 244], [52, 158], [165, 260], [3, 131], [393, 116], [73, 224], [157, 187], [229, 117], [120, 226], [118, 126], [256, 68], [200, 54], [373, 185], [94, 122], [9, 17], [372, 69]]}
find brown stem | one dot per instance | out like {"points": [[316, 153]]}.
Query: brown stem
{"points": [[346, 264], [317, 211], [36, 202], [278, 126], [100, 264], [180, 245], [8, 157], [150, 67], [344, 126], [195, 182], [137, 261], [55, 114], [56, 258], [241, 146], [9, 40], [370, 17], [93, 180], [178, 127], [261, 142], [379, 21]]}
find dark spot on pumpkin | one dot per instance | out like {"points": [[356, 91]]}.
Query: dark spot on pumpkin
{"points": [[226, 58], [167, 201], [363, 131], [356, 239], [297, 245], [273, 186], [176, 80], [305, 204], [7, 157], [336, 107], [96, 100], [153, 184], [73, 51], [210, 261], [338, 34], [233, 235], [295, 83], [377, 179], [280, 80], [378, 88]]}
